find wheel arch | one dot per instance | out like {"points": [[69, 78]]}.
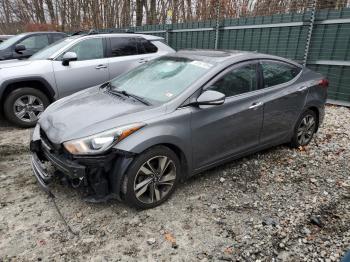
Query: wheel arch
{"points": [[123, 163], [182, 158], [34, 82], [173, 146]]}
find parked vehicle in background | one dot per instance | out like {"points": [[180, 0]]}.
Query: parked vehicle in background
{"points": [[137, 136], [26, 44], [70, 65], [4, 37]]}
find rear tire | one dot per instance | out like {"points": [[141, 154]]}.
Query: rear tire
{"points": [[304, 129], [151, 178], [24, 105]]}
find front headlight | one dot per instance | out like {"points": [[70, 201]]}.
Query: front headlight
{"points": [[101, 142]]}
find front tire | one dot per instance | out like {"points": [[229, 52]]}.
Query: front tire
{"points": [[151, 178], [305, 129], [24, 105]]}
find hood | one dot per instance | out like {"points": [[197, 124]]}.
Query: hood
{"points": [[90, 112], [14, 63]]}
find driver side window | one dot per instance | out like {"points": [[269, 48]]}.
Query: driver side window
{"points": [[88, 49], [36, 42], [238, 81]]}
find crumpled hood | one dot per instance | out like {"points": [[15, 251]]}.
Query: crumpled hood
{"points": [[90, 112], [14, 63]]}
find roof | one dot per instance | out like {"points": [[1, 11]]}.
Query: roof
{"points": [[220, 56], [211, 55], [5, 36], [43, 32], [148, 37]]}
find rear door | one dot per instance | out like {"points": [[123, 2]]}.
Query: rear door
{"points": [[284, 98], [219, 132], [89, 70], [126, 53]]}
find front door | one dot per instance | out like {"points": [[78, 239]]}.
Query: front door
{"points": [[219, 132], [89, 70]]}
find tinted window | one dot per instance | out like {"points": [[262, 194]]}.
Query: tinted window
{"points": [[276, 73], [238, 81], [88, 49], [146, 47], [35, 42], [123, 46], [56, 37]]}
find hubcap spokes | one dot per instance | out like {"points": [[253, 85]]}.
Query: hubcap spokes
{"points": [[155, 179], [306, 129], [28, 108]]}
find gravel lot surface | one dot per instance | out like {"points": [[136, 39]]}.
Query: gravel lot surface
{"points": [[278, 205]]}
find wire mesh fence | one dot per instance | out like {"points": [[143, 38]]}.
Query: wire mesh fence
{"points": [[314, 33]]}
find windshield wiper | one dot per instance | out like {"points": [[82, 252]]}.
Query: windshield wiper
{"points": [[125, 93]]}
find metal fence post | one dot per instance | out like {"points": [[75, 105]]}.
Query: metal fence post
{"points": [[217, 25], [309, 35], [167, 35]]}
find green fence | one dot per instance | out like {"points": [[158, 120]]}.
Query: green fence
{"points": [[284, 35]]}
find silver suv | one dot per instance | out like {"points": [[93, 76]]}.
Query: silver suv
{"points": [[72, 64]]}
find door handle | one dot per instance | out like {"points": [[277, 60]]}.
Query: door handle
{"points": [[100, 67], [142, 60], [256, 105], [302, 89]]}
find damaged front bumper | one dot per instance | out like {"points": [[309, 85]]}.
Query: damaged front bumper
{"points": [[99, 176], [44, 176]]}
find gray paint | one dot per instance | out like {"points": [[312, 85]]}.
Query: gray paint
{"points": [[207, 135]]}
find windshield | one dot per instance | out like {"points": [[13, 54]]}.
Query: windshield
{"points": [[161, 80], [48, 51], [7, 43]]}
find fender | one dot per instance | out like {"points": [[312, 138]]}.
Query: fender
{"points": [[116, 176], [49, 90], [167, 140], [174, 132]]}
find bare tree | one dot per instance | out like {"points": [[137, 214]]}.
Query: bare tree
{"points": [[71, 15]]}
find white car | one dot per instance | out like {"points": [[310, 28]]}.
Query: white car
{"points": [[27, 87]]}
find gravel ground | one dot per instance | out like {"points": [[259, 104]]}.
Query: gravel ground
{"points": [[278, 205]]}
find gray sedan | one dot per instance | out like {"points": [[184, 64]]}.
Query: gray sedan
{"points": [[136, 137]]}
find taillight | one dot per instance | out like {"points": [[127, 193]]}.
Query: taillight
{"points": [[324, 83]]}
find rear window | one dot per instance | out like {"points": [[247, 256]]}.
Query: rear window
{"points": [[56, 37], [276, 73], [123, 46], [146, 47]]}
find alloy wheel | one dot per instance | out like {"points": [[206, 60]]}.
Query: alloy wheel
{"points": [[155, 179], [306, 130], [28, 108]]}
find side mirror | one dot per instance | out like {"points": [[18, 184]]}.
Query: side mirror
{"points": [[210, 98], [19, 49], [68, 57]]}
